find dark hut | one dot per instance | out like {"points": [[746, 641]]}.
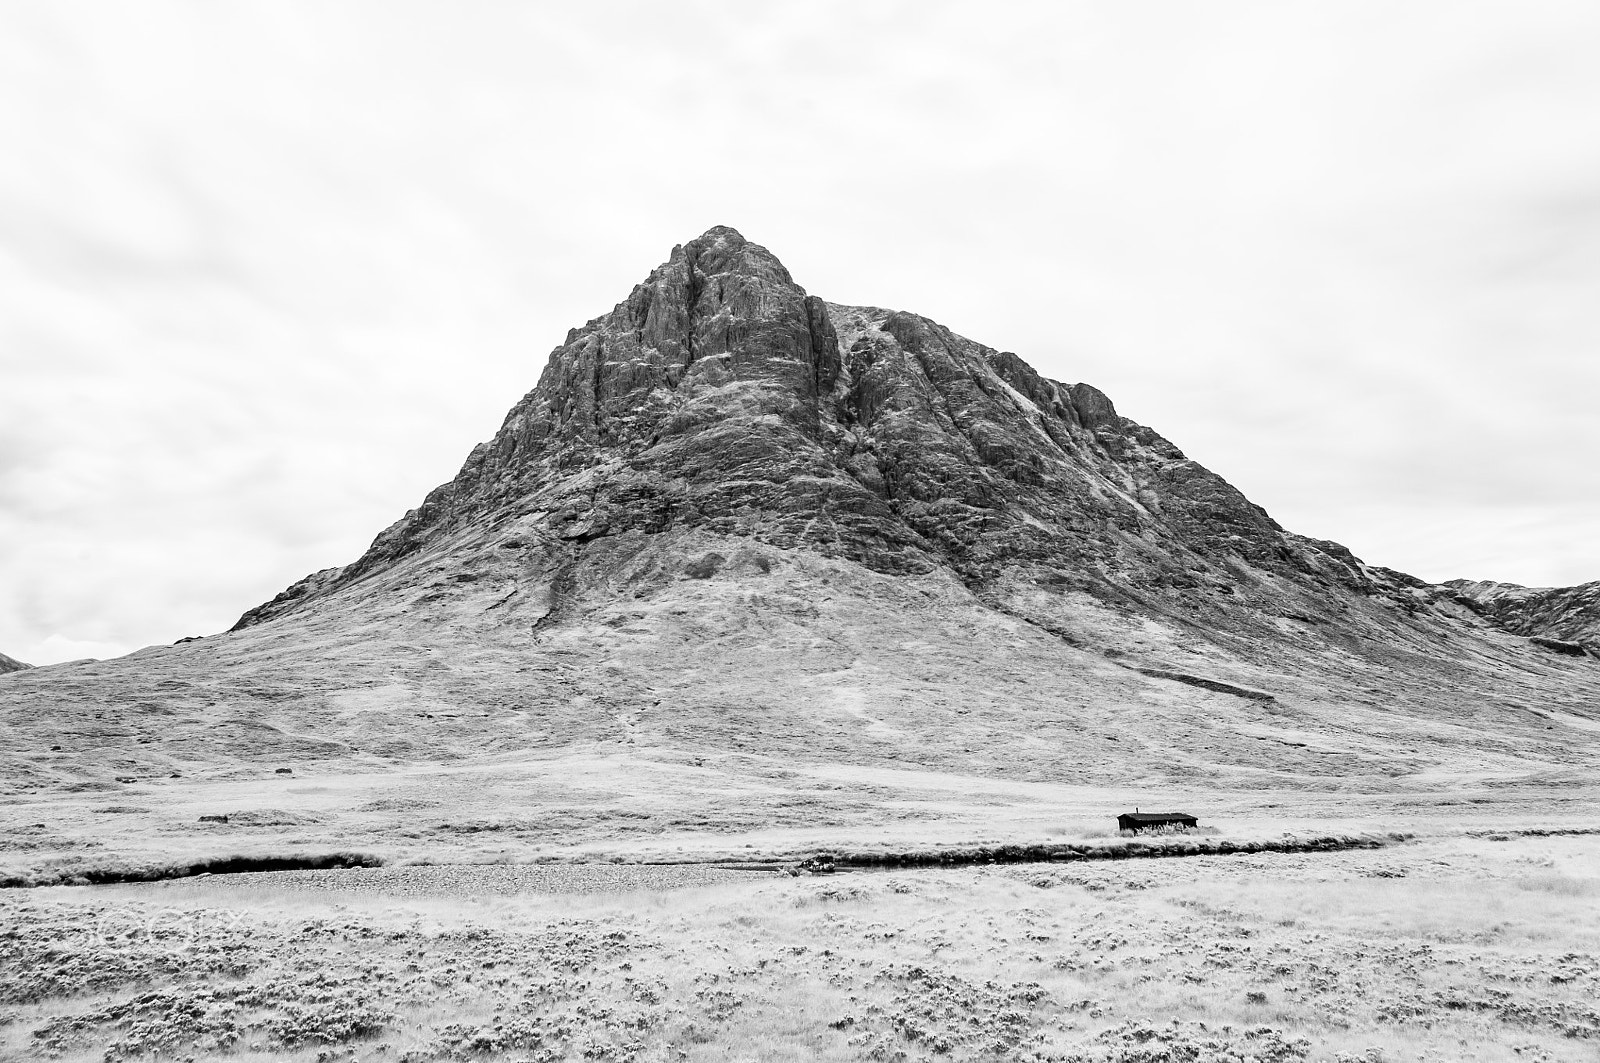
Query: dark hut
{"points": [[1146, 820]]}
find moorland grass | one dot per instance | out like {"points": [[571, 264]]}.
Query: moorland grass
{"points": [[1442, 951]]}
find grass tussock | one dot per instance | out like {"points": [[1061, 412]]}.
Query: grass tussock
{"points": [[1560, 885]]}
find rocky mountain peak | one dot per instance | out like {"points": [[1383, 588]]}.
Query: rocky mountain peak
{"points": [[721, 397]]}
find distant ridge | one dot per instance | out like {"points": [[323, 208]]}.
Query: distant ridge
{"points": [[1570, 614], [11, 664]]}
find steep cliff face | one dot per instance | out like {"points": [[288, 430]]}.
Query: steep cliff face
{"points": [[720, 396], [1559, 614]]}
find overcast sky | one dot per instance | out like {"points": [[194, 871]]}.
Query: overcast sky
{"points": [[268, 271]]}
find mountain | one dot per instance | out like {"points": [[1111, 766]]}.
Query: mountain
{"points": [[749, 563], [721, 397], [11, 664]]}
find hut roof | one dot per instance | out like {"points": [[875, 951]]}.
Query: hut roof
{"points": [[1154, 817]]}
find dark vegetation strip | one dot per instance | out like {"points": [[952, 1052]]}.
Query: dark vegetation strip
{"points": [[1155, 673], [1571, 649], [1207, 684], [226, 865], [1531, 832], [1063, 853]]}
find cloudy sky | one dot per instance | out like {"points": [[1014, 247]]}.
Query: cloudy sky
{"points": [[268, 271]]}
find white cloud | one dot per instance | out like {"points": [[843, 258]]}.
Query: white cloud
{"points": [[268, 272]]}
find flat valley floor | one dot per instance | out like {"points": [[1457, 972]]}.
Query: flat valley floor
{"points": [[1451, 947]]}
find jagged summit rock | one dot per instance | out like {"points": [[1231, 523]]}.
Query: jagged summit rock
{"points": [[722, 396]]}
